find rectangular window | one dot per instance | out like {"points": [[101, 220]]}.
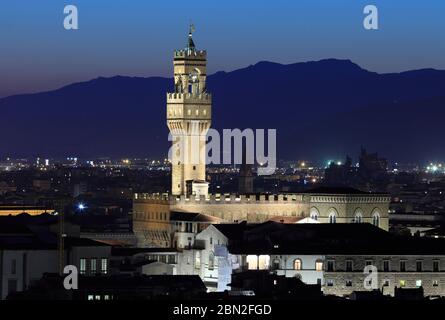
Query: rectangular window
{"points": [[93, 266], [435, 283], [419, 266], [349, 283], [13, 266], [402, 283], [330, 265], [319, 266], [436, 266], [418, 283], [330, 283], [402, 266], [104, 265], [349, 265], [386, 266], [386, 283], [368, 263], [83, 265]]}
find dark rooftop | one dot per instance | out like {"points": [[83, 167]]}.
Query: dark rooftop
{"points": [[354, 239], [337, 190], [192, 217]]}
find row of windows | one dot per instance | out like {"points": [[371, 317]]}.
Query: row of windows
{"points": [[93, 266], [210, 263], [165, 258], [184, 226], [385, 283], [152, 215], [386, 266], [358, 217], [189, 112], [100, 297], [262, 262]]}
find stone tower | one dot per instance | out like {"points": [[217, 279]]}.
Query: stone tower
{"points": [[245, 178], [188, 118]]}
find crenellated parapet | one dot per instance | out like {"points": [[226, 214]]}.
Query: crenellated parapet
{"points": [[190, 54], [222, 198], [176, 97]]}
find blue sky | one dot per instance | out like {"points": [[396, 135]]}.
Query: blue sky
{"points": [[136, 38]]}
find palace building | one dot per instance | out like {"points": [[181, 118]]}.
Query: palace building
{"points": [[189, 114]]}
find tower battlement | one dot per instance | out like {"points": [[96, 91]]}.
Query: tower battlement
{"points": [[219, 199], [190, 54], [176, 97]]}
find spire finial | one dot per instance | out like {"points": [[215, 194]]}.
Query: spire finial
{"points": [[190, 43]]}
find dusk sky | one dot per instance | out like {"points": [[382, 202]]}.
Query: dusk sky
{"points": [[136, 38]]}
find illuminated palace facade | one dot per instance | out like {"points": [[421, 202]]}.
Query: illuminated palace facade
{"points": [[189, 114]]}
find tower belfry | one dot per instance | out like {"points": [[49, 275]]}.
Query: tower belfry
{"points": [[189, 118]]}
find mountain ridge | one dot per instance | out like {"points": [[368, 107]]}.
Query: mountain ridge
{"points": [[125, 116]]}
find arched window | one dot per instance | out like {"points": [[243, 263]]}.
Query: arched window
{"points": [[358, 216], [376, 219], [297, 264], [314, 214], [333, 217]]}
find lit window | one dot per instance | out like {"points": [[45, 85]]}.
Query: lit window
{"points": [[297, 264], [358, 217], [376, 219], [198, 260], [252, 262], [83, 265], [332, 217], [319, 266], [104, 265], [93, 266], [418, 283], [402, 283], [263, 262], [90, 297]]}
